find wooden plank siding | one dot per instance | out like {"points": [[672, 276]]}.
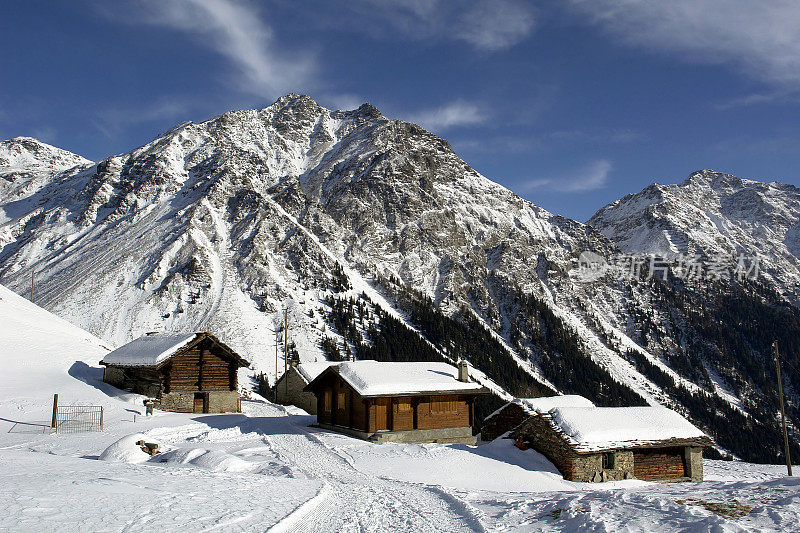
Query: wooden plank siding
{"points": [[402, 414], [200, 369], [660, 463], [434, 412]]}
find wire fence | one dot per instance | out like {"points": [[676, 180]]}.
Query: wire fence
{"points": [[78, 418]]}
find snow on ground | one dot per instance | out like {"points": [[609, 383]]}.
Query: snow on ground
{"points": [[267, 469]]}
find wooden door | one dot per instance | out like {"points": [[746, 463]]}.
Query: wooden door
{"points": [[382, 413], [199, 402]]}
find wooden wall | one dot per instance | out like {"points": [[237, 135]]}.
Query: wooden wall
{"points": [[203, 368], [435, 412], [359, 413], [403, 413], [661, 463]]}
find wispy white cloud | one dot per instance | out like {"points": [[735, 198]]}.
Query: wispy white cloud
{"points": [[496, 25], [111, 121], [769, 97], [487, 25], [521, 144], [453, 114], [592, 177], [46, 133], [761, 39], [239, 32]]}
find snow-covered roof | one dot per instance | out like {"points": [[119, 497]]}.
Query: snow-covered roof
{"points": [[310, 371], [377, 378], [599, 428], [149, 350], [545, 404]]}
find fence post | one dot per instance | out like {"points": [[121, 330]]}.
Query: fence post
{"points": [[55, 411], [101, 418]]}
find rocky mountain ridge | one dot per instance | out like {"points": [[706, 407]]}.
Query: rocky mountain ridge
{"points": [[289, 212], [712, 215]]}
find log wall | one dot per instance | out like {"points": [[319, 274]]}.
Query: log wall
{"points": [[200, 369], [659, 464]]}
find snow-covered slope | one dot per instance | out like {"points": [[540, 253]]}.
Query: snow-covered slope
{"points": [[43, 355], [713, 214]]}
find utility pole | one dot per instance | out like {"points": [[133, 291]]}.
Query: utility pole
{"points": [[285, 340], [33, 285], [286, 348], [783, 412]]}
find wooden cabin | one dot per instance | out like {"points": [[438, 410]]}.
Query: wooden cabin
{"points": [[399, 402], [594, 444], [183, 372], [289, 389]]}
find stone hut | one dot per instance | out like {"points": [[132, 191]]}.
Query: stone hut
{"points": [[398, 402], [289, 388], [184, 372], [613, 443]]}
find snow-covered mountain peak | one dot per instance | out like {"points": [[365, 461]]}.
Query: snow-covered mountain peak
{"points": [[27, 154], [27, 165], [712, 214]]}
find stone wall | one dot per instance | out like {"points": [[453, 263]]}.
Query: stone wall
{"points": [[223, 402], [114, 376], [146, 381], [183, 402], [289, 391], [694, 463], [507, 418], [538, 433], [589, 467], [442, 435]]}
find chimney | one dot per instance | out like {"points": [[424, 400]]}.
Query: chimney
{"points": [[463, 371]]}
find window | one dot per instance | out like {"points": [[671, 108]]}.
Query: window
{"points": [[340, 401], [608, 461], [403, 405], [327, 398]]}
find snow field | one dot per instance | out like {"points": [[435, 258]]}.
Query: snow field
{"points": [[266, 468]]}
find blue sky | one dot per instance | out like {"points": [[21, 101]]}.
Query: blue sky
{"points": [[571, 103]]}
